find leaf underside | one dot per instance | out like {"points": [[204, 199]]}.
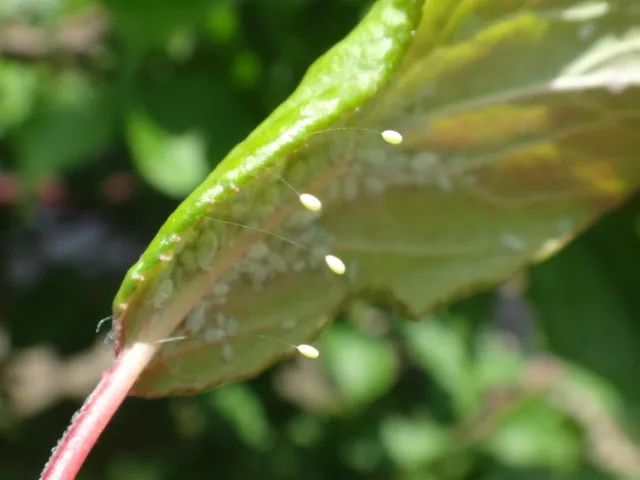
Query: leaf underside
{"points": [[518, 121]]}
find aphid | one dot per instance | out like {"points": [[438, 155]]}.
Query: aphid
{"points": [[257, 251], [138, 277], [221, 289], [227, 352], [163, 293], [512, 242], [212, 335], [188, 260], [336, 265], [196, 318], [288, 324], [165, 257]]}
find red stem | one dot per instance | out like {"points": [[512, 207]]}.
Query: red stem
{"points": [[87, 425]]}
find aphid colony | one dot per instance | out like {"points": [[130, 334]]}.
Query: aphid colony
{"points": [[191, 252]]}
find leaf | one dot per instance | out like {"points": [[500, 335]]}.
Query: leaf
{"points": [[18, 85], [587, 303], [150, 23], [439, 349], [362, 367], [74, 121], [413, 443], [242, 408], [536, 435], [509, 150], [173, 163]]}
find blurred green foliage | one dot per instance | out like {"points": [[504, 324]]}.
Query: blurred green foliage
{"points": [[113, 109]]}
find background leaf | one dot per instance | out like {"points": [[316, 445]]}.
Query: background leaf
{"points": [[173, 163], [590, 287], [362, 367]]}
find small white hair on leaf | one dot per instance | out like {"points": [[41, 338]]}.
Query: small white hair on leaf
{"points": [[310, 202], [308, 351], [391, 136], [336, 265]]}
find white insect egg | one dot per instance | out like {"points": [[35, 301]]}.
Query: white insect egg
{"points": [[336, 265], [308, 351], [391, 136], [310, 202]]}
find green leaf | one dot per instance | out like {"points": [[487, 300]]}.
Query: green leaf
{"points": [[18, 85], [173, 163], [536, 435], [223, 22], [362, 367], [414, 443], [241, 407], [439, 349], [73, 122], [150, 23], [587, 300], [514, 141], [499, 362]]}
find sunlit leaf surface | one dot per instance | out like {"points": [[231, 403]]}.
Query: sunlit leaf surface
{"points": [[519, 122]]}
